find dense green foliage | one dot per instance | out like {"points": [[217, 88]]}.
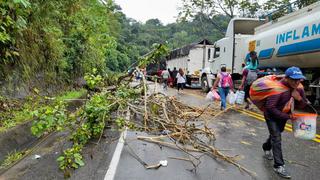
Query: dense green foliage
{"points": [[58, 41]]}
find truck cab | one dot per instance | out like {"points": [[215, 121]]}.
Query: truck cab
{"points": [[231, 50]]}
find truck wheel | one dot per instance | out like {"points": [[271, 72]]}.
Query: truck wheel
{"points": [[204, 84]]}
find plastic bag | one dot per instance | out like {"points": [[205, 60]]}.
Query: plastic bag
{"points": [[213, 95], [231, 98], [240, 97], [216, 96], [210, 96]]}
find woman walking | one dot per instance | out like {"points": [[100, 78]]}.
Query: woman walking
{"points": [[224, 83], [181, 80]]}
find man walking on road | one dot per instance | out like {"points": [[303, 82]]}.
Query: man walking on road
{"points": [[174, 76], [277, 112], [165, 76]]}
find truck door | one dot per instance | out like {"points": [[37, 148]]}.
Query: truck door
{"points": [[216, 59]]}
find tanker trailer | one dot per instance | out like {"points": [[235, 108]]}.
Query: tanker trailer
{"points": [[292, 40]]}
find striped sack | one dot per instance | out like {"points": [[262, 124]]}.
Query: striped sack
{"points": [[268, 86]]}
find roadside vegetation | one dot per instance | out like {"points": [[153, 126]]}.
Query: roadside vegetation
{"points": [[89, 121], [12, 158], [15, 112]]}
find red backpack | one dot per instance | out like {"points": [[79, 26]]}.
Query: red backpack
{"points": [[226, 80]]}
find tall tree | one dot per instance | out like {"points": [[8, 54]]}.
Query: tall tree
{"points": [[207, 10]]}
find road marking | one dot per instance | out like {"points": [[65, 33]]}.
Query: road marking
{"points": [[288, 127], [260, 117], [116, 157]]}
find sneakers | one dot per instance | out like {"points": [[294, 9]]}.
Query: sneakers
{"points": [[268, 155], [281, 171]]}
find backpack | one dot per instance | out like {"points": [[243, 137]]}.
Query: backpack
{"points": [[251, 76], [225, 80]]}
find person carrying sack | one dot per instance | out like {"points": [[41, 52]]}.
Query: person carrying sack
{"points": [[249, 74], [224, 83], [275, 97]]}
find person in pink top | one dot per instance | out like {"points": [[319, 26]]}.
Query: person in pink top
{"points": [[224, 83]]}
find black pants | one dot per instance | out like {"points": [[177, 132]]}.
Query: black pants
{"points": [[275, 127], [246, 92], [165, 83], [180, 86]]}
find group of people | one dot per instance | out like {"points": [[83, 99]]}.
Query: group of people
{"points": [[138, 74], [174, 77], [274, 105], [224, 82]]}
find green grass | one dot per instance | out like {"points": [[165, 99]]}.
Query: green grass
{"points": [[73, 94], [13, 117], [11, 158]]}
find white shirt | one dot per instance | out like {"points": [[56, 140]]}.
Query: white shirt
{"points": [[180, 79], [165, 74]]}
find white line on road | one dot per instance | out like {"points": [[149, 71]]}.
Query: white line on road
{"points": [[116, 157]]}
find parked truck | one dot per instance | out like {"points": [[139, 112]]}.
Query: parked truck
{"points": [[194, 59], [291, 40]]}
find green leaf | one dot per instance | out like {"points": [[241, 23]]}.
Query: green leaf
{"points": [[74, 165], [79, 161], [61, 158]]}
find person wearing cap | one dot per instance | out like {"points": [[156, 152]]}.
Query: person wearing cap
{"points": [[276, 117]]}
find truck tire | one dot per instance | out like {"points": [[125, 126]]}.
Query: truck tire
{"points": [[205, 84]]}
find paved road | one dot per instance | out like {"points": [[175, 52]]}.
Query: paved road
{"points": [[237, 132], [241, 133]]}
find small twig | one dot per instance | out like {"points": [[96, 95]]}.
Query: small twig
{"points": [[170, 145]]}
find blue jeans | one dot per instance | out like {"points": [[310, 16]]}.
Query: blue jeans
{"points": [[223, 92]]}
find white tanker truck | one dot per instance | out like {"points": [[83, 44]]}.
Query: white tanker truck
{"points": [[292, 40]]}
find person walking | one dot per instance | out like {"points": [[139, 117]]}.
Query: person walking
{"points": [[181, 80], [165, 76], [224, 83], [277, 110], [174, 76], [249, 74]]}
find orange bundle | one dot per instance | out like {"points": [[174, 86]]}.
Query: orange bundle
{"points": [[265, 87]]}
